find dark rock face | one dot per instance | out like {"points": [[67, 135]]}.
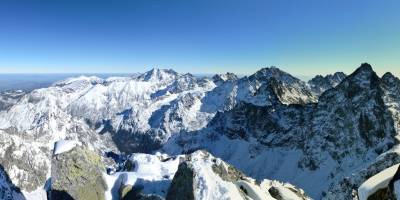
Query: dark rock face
{"points": [[60, 195], [350, 118], [77, 174], [8, 191], [131, 142], [275, 193], [230, 173], [288, 89], [353, 122], [382, 194], [128, 192], [182, 185], [391, 86]]}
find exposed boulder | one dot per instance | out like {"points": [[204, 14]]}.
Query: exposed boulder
{"points": [[129, 192], [182, 184], [77, 174]]}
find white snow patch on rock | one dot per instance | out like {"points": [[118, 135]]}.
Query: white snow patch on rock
{"points": [[254, 191], [39, 194], [62, 146], [153, 172], [207, 184], [286, 190], [376, 182]]}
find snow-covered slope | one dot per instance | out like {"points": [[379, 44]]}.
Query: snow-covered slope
{"points": [[376, 182], [128, 114], [198, 175], [202, 176], [270, 125], [152, 173], [9, 98], [8, 191]]}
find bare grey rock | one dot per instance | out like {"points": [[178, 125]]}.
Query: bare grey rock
{"points": [[78, 174]]}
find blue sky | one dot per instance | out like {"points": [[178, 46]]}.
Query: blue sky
{"points": [[304, 37]]}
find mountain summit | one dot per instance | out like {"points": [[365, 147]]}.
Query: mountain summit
{"points": [[156, 74]]}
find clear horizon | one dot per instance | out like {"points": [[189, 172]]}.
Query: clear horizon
{"points": [[201, 37], [300, 76]]}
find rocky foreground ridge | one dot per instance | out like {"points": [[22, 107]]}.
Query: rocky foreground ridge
{"points": [[79, 173]]}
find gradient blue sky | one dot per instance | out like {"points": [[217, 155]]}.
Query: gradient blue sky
{"points": [[304, 37]]}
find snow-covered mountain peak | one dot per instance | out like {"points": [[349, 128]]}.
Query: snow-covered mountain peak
{"points": [[224, 77], [389, 77], [337, 76], [274, 72], [363, 77], [365, 70], [365, 67], [79, 80], [159, 75]]}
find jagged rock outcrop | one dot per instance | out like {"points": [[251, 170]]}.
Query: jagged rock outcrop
{"points": [[288, 89], [182, 184], [202, 176], [128, 192], [320, 84], [266, 87], [198, 175], [77, 174]]}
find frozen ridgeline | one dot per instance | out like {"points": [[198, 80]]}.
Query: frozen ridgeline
{"points": [[203, 176], [199, 175], [62, 146]]}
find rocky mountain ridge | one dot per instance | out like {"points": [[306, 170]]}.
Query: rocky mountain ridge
{"points": [[345, 131], [265, 124]]}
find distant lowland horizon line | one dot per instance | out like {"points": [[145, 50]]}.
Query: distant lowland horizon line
{"points": [[146, 69], [30, 81], [303, 77]]}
